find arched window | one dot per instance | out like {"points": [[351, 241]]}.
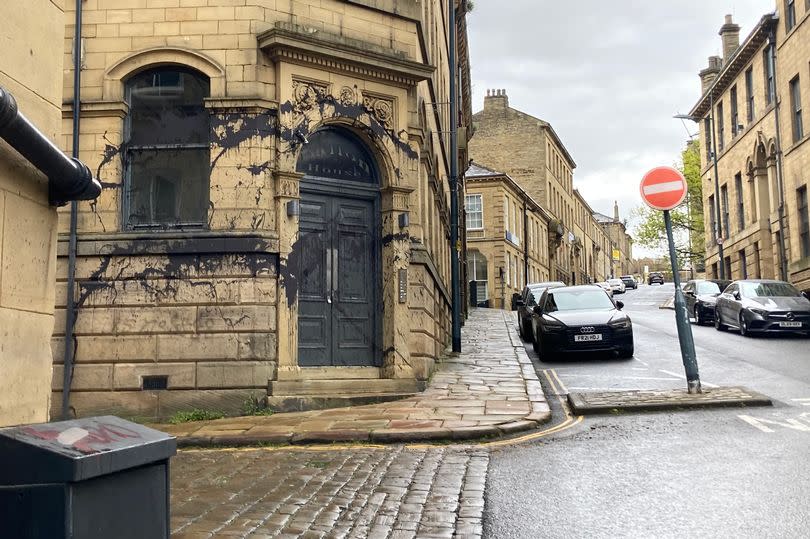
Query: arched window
{"points": [[477, 271], [337, 153], [167, 158]]}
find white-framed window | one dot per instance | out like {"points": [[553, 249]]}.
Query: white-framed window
{"points": [[477, 271], [508, 268], [474, 207]]}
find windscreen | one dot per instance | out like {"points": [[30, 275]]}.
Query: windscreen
{"points": [[578, 300], [754, 290]]}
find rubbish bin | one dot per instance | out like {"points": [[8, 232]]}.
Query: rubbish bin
{"points": [[98, 477]]}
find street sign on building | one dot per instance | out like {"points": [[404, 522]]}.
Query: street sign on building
{"points": [[617, 255], [663, 188]]}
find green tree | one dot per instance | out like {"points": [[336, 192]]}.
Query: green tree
{"points": [[687, 219]]}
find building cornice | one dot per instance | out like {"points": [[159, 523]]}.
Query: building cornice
{"points": [[295, 44]]}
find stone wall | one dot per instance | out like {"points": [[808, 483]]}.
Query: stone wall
{"points": [[27, 223]]}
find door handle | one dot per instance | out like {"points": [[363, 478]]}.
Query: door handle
{"points": [[334, 272], [328, 278]]}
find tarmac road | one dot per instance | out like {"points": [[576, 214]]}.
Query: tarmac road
{"points": [[738, 472]]}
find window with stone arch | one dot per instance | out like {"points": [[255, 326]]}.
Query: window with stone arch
{"points": [[477, 271], [166, 153]]}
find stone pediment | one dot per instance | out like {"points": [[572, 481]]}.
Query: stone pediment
{"points": [[302, 45]]}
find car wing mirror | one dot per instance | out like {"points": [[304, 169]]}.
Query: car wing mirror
{"points": [[538, 310], [619, 304], [520, 302], [690, 292], [736, 295]]}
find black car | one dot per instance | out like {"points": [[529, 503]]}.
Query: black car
{"points": [[655, 277], [526, 301], [762, 306], [580, 319], [700, 296], [629, 281]]}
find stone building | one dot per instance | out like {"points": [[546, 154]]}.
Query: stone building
{"points": [[593, 260], [275, 217], [529, 151], [762, 171], [34, 176], [507, 237], [621, 243]]}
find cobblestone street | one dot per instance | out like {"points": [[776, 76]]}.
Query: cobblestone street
{"points": [[393, 492]]}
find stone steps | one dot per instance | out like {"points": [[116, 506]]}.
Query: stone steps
{"points": [[299, 395]]}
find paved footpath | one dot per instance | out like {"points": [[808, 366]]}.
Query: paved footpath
{"points": [[489, 389]]}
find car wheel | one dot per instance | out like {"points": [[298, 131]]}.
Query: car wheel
{"points": [[744, 331], [699, 316], [718, 323], [545, 352], [626, 352], [535, 344]]}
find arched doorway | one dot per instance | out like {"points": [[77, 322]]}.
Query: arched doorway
{"points": [[339, 312]]}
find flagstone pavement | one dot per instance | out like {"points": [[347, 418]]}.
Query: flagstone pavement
{"points": [[489, 389]]}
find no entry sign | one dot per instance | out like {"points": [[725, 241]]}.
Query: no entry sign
{"points": [[663, 188]]}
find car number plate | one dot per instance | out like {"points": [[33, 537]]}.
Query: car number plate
{"points": [[592, 337], [790, 324]]}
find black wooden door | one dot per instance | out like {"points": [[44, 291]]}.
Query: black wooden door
{"points": [[338, 276]]}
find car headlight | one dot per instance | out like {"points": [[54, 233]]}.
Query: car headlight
{"points": [[550, 325], [760, 312], [620, 324]]}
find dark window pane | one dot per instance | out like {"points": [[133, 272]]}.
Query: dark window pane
{"points": [[166, 107], [168, 187]]}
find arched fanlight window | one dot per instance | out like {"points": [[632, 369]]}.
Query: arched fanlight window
{"points": [[167, 150], [338, 154]]}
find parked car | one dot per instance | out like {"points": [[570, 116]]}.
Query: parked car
{"points": [[655, 277], [617, 285], [526, 301], [604, 285], [762, 306], [629, 281], [701, 296], [580, 319]]}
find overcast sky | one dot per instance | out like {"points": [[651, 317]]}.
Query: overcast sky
{"points": [[607, 75]]}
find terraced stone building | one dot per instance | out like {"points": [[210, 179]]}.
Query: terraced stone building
{"points": [[751, 114]]}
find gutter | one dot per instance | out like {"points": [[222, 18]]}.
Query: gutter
{"points": [[68, 178]]}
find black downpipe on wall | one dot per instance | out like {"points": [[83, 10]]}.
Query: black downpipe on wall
{"points": [[68, 178], [525, 243], [70, 304]]}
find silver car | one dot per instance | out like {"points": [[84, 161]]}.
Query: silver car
{"points": [[762, 306]]}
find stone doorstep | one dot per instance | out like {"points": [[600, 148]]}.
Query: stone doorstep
{"points": [[606, 402]]}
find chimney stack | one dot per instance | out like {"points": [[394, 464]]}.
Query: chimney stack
{"points": [[708, 75], [615, 211], [730, 35], [496, 100]]}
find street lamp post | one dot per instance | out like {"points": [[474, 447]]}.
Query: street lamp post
{"points": [[718, 217]]}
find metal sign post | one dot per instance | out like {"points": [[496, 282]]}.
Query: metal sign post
{"points": [[685, 338], [663, 188]]}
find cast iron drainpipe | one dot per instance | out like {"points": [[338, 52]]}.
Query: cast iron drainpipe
{"points": [[68, 178]]}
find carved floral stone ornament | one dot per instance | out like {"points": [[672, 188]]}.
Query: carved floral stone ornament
{"points": [[307, 94], [382, 109], [347, 96]]}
